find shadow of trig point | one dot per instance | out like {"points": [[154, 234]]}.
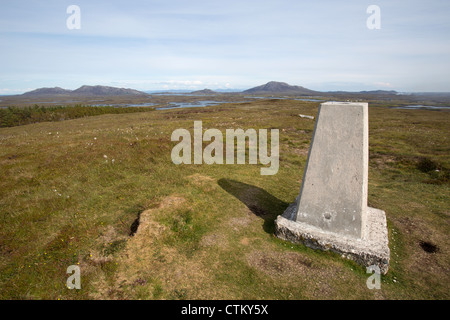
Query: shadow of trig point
{"points": [[331, 211]]}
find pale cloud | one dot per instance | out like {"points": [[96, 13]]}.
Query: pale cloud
{"points": [[382, 84], [7, 91], [178, 84]]}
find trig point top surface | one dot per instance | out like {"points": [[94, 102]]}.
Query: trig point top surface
{"points": [[333, 195]]}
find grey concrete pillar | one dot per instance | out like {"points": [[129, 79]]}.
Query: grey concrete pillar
{"points": [[333, 195], [331, 210]]}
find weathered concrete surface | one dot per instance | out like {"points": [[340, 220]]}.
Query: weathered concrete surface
{"points": [[331, 211], [373, 250], [333, 196]]}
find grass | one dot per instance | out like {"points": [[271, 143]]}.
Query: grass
{"points": [[17, 116], [102, 192]]}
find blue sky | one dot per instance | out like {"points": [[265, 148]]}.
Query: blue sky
{"points": [[174, 44]]}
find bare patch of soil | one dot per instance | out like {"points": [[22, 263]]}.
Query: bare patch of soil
{"points": [[428, 247], [281, 264]]}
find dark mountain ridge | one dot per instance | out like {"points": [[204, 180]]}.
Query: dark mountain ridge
{"points": [[274, 87], [84, 91], [270, 88], [204, 91], [47, 91]]}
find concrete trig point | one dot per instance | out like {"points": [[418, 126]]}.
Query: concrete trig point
{"points": [[331, 211]]}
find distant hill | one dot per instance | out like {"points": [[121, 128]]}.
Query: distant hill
{"points": [[47, 91], [274, 87], [204, 91], [379, 92], [270, 88], [85, 91], [105, 91]]}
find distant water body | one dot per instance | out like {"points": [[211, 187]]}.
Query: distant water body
{"points": [[205, 103], [422, 107]]}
